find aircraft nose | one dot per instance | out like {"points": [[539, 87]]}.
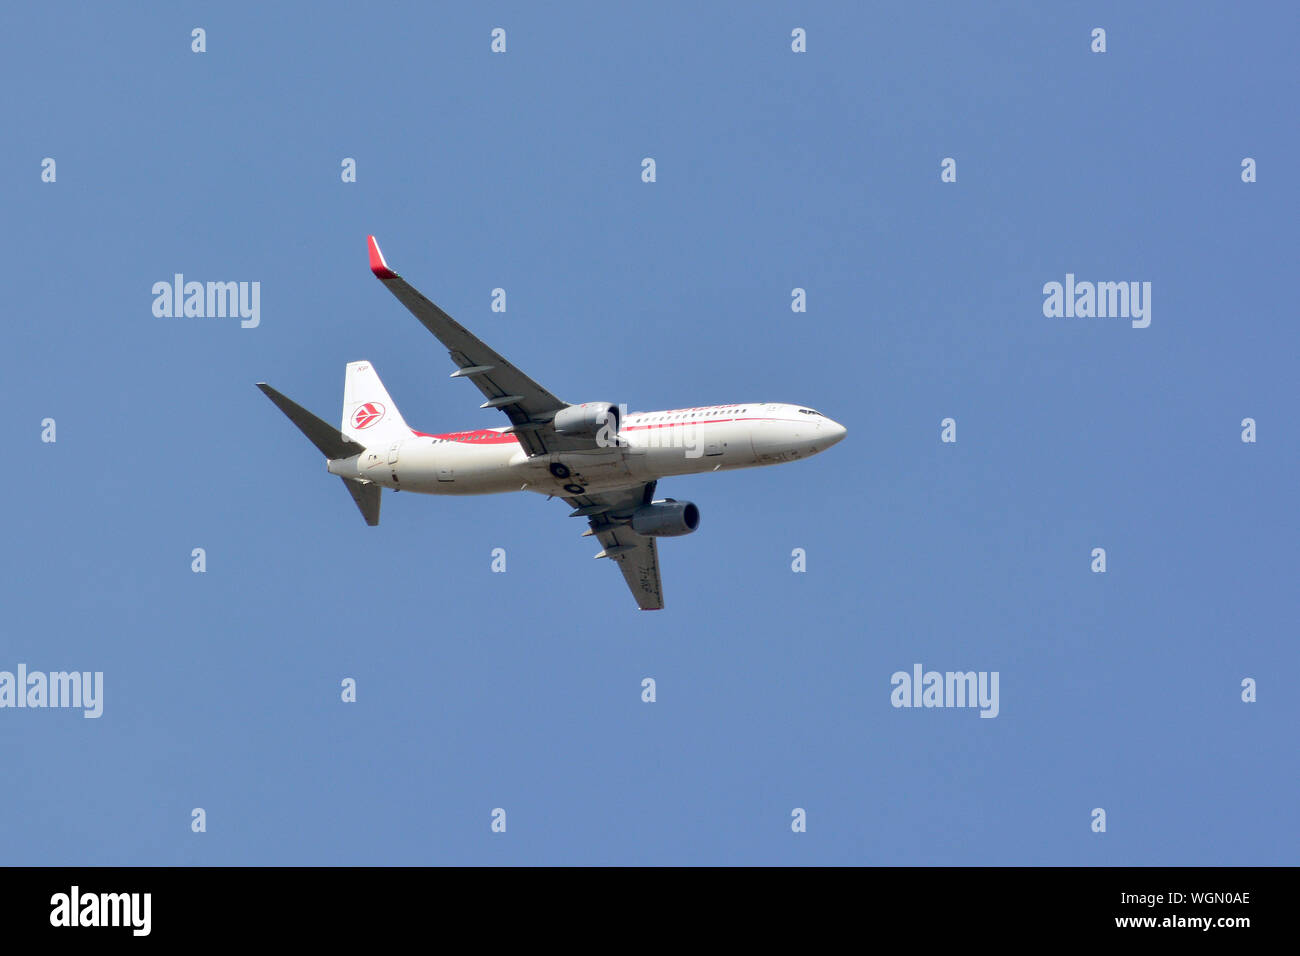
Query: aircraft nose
{"points": [[835, 432]]}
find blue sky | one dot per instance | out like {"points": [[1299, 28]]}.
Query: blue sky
{"points": [[775, 170]]}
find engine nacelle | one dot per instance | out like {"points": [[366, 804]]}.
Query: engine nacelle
{"points": [[666, 519], [588, 420]]}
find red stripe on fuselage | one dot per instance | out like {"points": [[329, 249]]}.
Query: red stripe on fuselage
{"points": [[479, 437], [489, 437], [711, 421]]}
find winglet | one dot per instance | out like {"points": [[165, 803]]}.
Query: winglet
{"points": [[377, 264]]}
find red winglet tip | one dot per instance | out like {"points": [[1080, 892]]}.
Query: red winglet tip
{"points": [[377, 264]]}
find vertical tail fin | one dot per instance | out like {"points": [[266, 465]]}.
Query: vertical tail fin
{"points": [[369, 415]]}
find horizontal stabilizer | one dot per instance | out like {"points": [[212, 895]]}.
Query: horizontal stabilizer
{"points": [[366, 495], [324, 436]]}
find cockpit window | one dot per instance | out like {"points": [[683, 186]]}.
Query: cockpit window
{"points": [[809, 411]]}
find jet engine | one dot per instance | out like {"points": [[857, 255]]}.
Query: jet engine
{"points": [[588, 420], [667, 518]]}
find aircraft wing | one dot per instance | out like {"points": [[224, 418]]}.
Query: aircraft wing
{"points": [[636, 554], [529, 407]]}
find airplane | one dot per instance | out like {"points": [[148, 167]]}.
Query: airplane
{"points": [[604, 462]]}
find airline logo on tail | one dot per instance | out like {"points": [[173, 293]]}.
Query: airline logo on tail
{"points": [[368, 414]]}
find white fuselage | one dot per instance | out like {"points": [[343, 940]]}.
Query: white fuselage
{"points": [[651, 445]]}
